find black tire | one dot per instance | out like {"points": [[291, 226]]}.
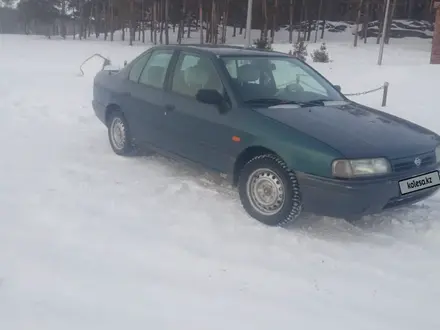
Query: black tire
{"points": [[271, 169], [126, 146]]}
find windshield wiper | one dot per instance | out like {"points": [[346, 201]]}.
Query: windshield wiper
{"points": [[275, 101], [269, 100], [314, 102]]}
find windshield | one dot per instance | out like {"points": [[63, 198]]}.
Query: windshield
{"points": [[277, 80]]}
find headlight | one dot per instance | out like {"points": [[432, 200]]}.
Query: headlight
{"points": [[437, 154], [346, 168]]}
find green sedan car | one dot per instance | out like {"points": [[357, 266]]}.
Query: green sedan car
{"points": [[271, 125]]}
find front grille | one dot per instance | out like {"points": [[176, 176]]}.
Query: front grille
{"points": [[408, 164]]}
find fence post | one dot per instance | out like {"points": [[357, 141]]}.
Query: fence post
{"points": [[385, 93]]}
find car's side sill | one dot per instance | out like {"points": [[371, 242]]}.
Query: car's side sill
{"points": [[217, 176]]}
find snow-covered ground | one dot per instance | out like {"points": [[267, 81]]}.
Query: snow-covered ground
{"points": [[90, 240]]}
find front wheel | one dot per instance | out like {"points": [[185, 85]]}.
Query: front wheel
{"points": [[269, 191]]}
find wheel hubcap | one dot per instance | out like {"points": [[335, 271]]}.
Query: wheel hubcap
{"points": [[118, 133], [265, 191]]}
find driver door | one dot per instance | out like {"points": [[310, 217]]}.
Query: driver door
{"points": [[200, 132]]}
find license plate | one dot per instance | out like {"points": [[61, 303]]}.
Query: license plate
{"points": [[421, 182]]}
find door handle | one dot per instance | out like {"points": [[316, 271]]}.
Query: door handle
{"points": [[170, 107]]}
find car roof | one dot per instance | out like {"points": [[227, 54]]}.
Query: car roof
{"points": [[222, 50]]}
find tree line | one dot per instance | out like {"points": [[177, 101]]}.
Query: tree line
{"points": [[153, 19]]}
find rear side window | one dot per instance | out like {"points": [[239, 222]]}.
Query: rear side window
{"points": [[137, 67], [156, 68]]}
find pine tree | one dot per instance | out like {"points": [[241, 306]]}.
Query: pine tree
{"points": [[321, 54], [299, 50], [262, 43]]}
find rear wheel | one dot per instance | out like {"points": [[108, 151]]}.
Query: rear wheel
{"points": [[119, 135], [269, 191]]}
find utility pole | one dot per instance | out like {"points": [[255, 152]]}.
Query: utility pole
{"points": [[249, 23], [384, 28]]}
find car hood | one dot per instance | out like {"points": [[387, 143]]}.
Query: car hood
{"points": [[356, 131]]}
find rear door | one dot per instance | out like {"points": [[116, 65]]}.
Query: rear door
{"points": [[144, 106]]}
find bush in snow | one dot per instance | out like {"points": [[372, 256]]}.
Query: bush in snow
{"points": [[263, 44], [321, 54], [299, 50]]}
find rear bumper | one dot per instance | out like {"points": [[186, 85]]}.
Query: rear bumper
{"points": [[343, 198], [100, 110]]}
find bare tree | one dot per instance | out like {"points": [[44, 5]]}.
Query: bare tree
{"points": [[318, 20], [291, 9], [167, 28], [358, 18], [201, 20]]}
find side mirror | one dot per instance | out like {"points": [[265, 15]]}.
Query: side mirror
{"points": [[213, 97], [209, 96], [337, 87]]}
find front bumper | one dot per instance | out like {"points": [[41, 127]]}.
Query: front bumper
{"points": [[356, 198]]}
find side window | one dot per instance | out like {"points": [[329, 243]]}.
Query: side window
{"points": [[137, 67], [156, 69], [194, 72]]}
